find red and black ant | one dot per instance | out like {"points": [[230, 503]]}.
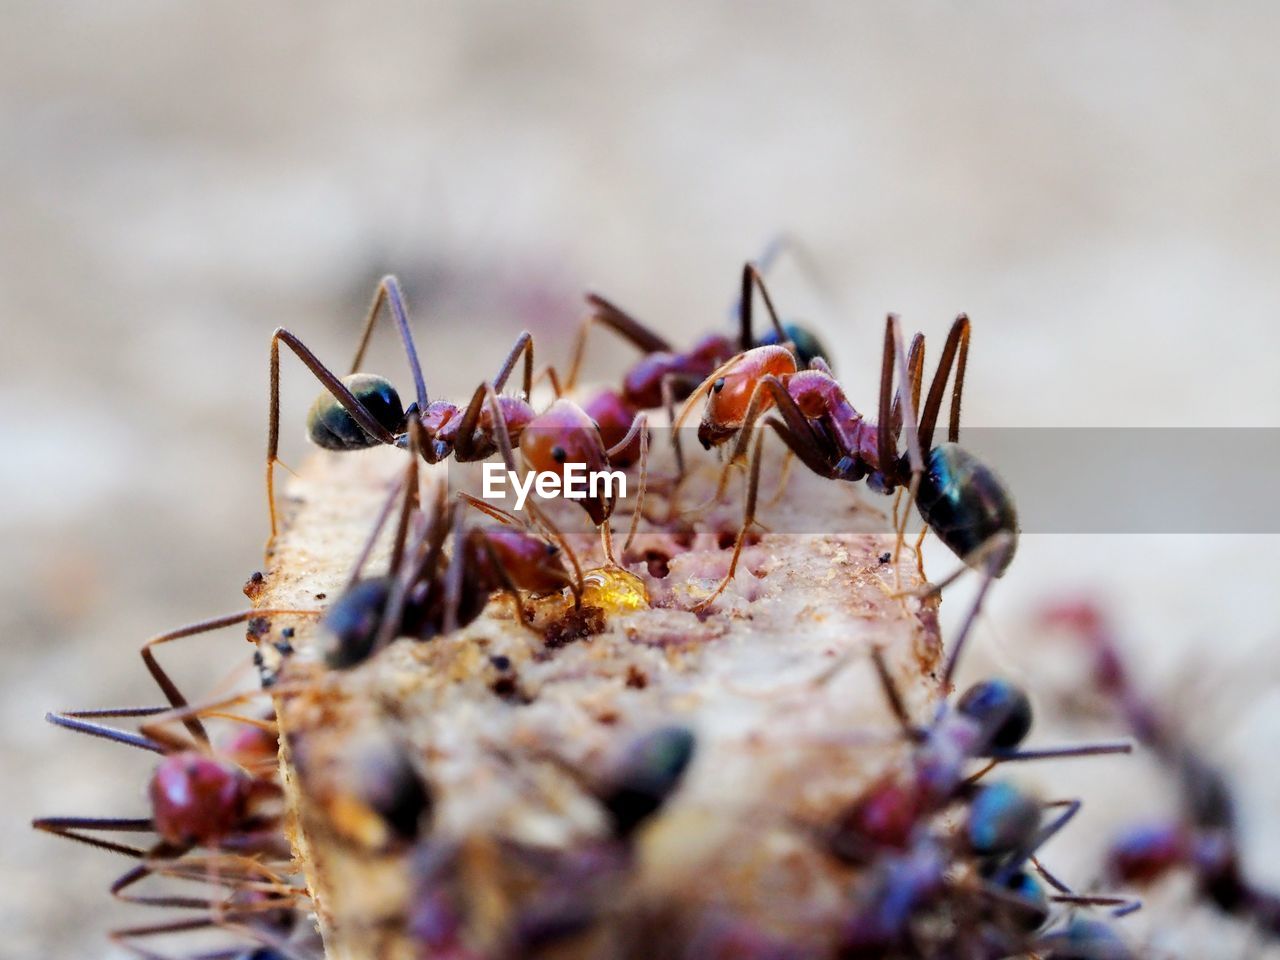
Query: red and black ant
{"points": [[664, 376], [219, 800], [959, 497], [888, 824], [363, 410], [1205, 840], [427, 592]]}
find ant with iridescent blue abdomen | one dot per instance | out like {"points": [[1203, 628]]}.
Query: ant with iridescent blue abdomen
{"points": [[1205, 839], [428, 590], [362, 410], [958, 496], [1004, 827], [664, 376]]}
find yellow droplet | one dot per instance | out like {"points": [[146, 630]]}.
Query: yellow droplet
{"points": [[614, 590]]}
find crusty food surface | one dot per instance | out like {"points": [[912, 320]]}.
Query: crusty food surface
{"points": [[517, 732]]}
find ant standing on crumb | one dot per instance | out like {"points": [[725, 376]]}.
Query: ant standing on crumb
{"points": [[959, 497]]}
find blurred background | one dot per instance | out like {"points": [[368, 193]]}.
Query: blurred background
{"points": [[1097, 184]]}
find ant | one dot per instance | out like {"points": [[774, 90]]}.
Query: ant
{"points": [[664, 375], [959, 497], [222, 801], [363, 410], [425, 593], [1205, 840], [1004, 826]]}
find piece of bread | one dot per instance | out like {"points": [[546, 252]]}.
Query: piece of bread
{"points": [[518, 746]]}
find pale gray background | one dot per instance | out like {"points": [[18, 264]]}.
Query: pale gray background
{"points": [[1096, 183]]}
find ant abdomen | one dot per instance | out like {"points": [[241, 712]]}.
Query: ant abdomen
{"points": [[1002, 819], [353, 621], [1001, 710], [649, 773], [808, 346], [965, 503], [197, 799], [331, 426]]}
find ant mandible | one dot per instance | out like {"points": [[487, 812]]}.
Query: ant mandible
{"points": [[363, 410], [959, 497]]}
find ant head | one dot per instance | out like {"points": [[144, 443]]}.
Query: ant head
{"points": [[329, 425], [561, 435], [806, 342], [1002, 819], [966, 504], [530, 562], [648, 774], [1001, 710], [729, 390], [352, 622], [1144, 853], [196, 799]]}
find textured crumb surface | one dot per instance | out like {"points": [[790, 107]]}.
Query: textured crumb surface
{"points": [[514, 729]]}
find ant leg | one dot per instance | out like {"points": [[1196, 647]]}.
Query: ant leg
{"points": [[915, 373], [336, 387], [785, 243], [905, 397], [384, 513], [212, 710], [955, 350], [162, 679], [892, 695], [669, 404], [502, 436], [389, 292], [639, 426], [998, 554], [464, 445], [402, 573], [751, 276], [454, 574], [1062, 753], [621, 323], [1123, 905], [411, 493], [77, 721], [523, 344], [495, 513], [787, 460], [71, 827], [748, 520]]}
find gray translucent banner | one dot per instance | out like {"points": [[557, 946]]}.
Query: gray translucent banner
{"points": [[1063, 480]]}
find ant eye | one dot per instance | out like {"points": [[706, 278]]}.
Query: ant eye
{"points": [[1000, 709], [718, 385], [558, 454], [552, 549]]}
